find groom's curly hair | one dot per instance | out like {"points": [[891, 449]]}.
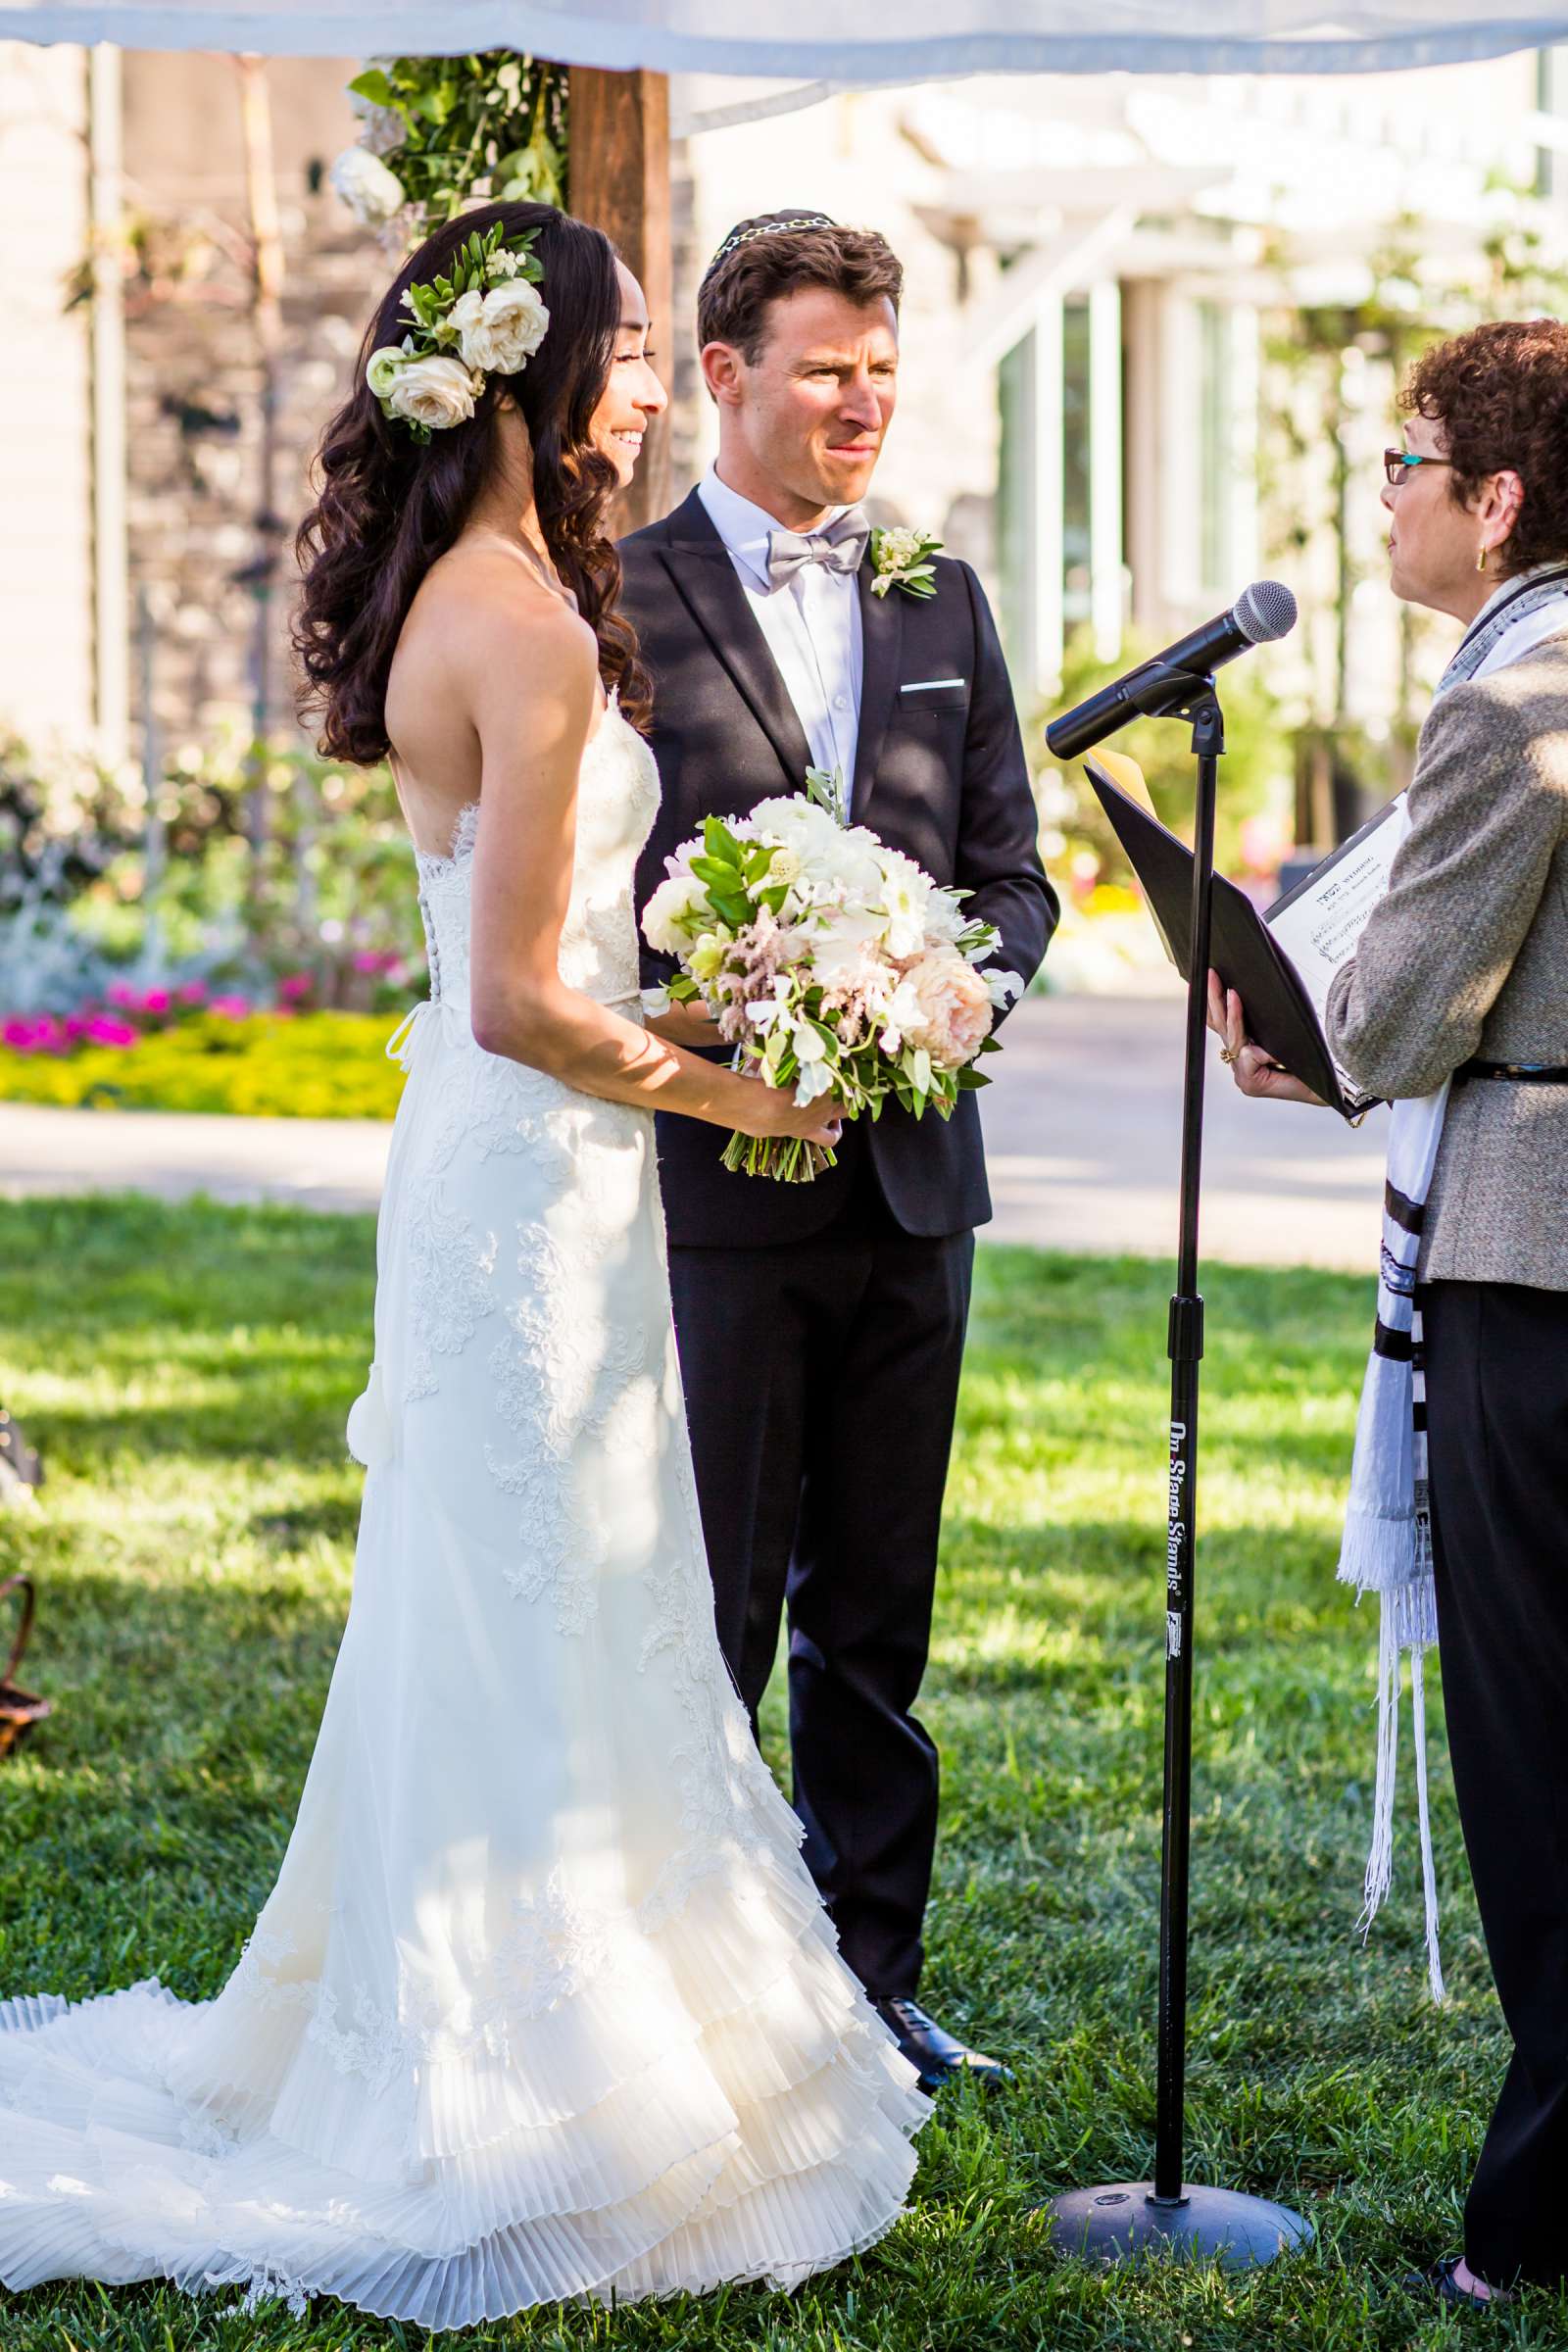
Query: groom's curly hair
{"points": [[762, 259]]}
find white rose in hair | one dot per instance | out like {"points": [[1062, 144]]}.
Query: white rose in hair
{"points": [[460, 322], [370, 192], [383, 369], [434, 392], [504, 329]]}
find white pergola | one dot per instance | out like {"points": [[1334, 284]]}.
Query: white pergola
{"points": [[811, 41]]}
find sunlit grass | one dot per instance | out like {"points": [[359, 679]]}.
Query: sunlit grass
{"points": [[188, 1372]]}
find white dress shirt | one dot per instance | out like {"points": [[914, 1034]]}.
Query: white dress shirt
{"points": [[812, 625]]}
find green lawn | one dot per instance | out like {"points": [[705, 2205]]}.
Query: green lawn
{"points": [[188, 1371]]}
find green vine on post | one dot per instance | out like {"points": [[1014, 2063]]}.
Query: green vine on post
{"points": [[441, 135]]}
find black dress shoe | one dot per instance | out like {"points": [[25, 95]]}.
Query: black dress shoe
{"points": [[1439, 2286], [939, 2056]]}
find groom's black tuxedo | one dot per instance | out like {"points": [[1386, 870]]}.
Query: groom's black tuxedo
{"points": [[821, 1325], [939, 773]]}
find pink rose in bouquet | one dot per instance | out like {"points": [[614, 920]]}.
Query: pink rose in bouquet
{"points": [[956, 1008]]}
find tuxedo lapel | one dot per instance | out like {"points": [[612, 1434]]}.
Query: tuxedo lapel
{"points": [[699, 563], [881, 646]]}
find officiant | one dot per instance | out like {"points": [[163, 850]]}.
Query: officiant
{"points": [[1455, 1010]]}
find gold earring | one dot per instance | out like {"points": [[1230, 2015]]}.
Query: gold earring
{"points": [[1480, 559]]}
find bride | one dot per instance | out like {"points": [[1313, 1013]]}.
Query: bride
{"points": [[543, 2003]]}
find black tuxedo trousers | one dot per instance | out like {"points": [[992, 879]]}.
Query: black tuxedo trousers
{"points": [[821, 1377], [1496, 1377], [821, 1325]]}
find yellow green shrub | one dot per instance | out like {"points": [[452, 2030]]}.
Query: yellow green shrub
{"points": [[311, 1066]]}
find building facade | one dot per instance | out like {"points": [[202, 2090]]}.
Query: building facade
{"points": [[1100, 276]]}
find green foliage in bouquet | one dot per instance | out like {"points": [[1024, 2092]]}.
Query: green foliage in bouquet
{"points": [[461, 131]]}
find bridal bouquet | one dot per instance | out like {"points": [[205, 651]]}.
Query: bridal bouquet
{"points": [[832, 963]]}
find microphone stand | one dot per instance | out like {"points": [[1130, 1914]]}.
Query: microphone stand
{"points": [[1119, 2220]]}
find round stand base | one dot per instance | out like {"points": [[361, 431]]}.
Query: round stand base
{"points": [[1123, 2222]]}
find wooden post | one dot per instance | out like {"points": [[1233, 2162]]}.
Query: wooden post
{"points": [[619, 178], [267, 312]]}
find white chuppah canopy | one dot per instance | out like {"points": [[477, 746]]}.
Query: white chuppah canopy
{"points": [[919, 39]]}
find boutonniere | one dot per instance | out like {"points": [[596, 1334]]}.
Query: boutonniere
{"points": [[901, 560]]}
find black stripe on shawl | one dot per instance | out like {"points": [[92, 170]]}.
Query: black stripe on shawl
{"points": [[1395, 1345], [1411, 1214]]}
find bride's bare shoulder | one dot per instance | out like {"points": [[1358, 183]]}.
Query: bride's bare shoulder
{"points": [[480, 615]]}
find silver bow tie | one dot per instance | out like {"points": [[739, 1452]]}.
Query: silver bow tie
{"points": [[840, 548]]}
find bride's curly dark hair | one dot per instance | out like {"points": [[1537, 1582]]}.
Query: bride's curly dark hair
{"points": [[389, 506]]}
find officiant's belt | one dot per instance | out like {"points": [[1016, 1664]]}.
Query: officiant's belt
{"points": [[1528, 1073]]}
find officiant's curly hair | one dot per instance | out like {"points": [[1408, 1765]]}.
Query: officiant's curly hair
{"points": [[1500, 392], [387, 506]]}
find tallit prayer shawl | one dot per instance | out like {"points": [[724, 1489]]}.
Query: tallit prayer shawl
{"points": [[1387, 1547]]}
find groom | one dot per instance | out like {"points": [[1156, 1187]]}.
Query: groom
{"points": [[821, 1325]]}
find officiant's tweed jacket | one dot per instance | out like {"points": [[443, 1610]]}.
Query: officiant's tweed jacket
{"points": [[1468, 955]]}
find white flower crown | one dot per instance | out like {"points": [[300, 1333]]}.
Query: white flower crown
{"points": [[485, 318]]}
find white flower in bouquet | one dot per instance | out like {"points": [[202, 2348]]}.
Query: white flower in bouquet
{"points": [[907, 894], [370, 192], [705, 959], [838, 950], [835, 864], [805, 833], [765, 1011], [946, 921], [668, 916], [815, 1074], [433, 392], [901, 1012]]}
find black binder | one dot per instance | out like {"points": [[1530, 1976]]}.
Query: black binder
{"points": [[1280, 1014]]}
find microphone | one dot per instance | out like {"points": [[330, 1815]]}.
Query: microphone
{"points": [[1259, 614]]}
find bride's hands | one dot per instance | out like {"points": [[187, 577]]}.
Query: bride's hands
{"points": [[1250, 1067], [772, 1110]]}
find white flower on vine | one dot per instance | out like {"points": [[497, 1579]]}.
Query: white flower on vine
{"points": [[370, 192]]}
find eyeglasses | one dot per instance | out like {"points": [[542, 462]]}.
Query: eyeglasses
{"points": [[1397, 464]]}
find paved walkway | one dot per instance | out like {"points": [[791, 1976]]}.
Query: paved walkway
{"points": [[1083, 1134], [1083, 1128]]}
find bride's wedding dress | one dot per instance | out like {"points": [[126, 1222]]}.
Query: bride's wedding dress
{"points": [[544, 2002]]}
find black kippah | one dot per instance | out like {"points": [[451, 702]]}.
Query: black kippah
{"points": [[767, 224]]}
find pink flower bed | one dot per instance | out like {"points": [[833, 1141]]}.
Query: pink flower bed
{"points": [[129, 1013]]}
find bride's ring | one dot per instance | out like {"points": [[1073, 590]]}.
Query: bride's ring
{"points": [[1227, 1055]]}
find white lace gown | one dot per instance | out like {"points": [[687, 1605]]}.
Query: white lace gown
{"points": [[544, 2003]]}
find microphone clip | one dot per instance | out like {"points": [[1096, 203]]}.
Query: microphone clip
{"points": [[1160, 691]]}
